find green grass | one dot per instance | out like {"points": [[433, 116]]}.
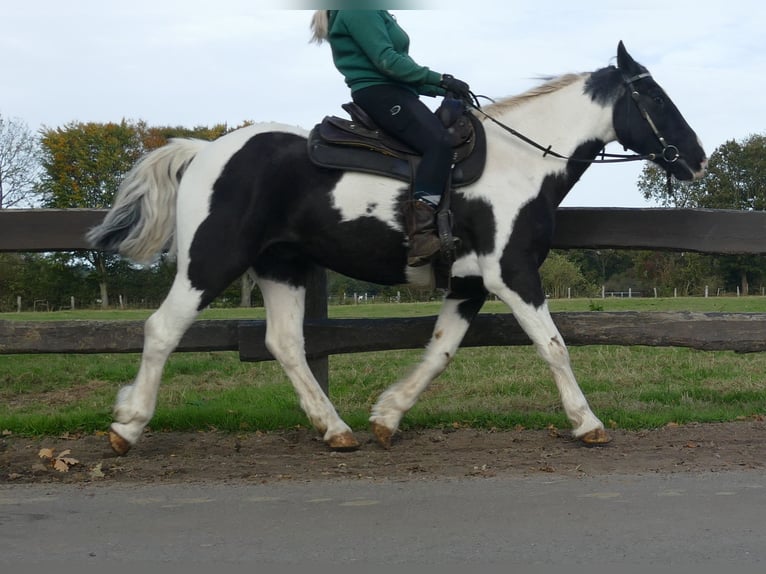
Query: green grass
{"points": [[753, 304], [630, 387]]}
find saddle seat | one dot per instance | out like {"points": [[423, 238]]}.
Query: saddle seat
{"points": [[360, 145]]}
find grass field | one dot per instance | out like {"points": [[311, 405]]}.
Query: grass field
{"points": [[629, 387]]}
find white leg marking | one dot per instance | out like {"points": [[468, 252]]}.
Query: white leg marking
{"points": [[539, 325], [162, 332], [402, 396], [284, 339]]}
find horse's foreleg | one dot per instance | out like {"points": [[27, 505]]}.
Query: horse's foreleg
{"points": [[539, 326], [162, 331], [284, 339], [453, 322]]}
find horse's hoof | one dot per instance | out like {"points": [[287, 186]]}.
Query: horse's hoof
{"points": [[119, 445], [383, 434], [596, 437], [343, 442]]}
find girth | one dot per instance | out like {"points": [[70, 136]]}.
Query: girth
{"points": [[359, 145]]}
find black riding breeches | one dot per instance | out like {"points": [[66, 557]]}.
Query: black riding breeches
{"points": [[399, 112]]}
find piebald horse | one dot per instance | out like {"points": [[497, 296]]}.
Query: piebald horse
{"points": [[252, 201]]}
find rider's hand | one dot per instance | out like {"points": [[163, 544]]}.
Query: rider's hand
{"points": [[455, 86]]}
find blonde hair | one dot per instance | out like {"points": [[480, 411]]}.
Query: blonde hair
{"points": [[319, 26]]}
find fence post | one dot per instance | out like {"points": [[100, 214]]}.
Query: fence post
{"points": [[316, 308]]}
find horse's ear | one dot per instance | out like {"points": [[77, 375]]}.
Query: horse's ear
{"points": [[624, 60]]}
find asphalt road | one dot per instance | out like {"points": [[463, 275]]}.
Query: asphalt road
{"points": [[664, 521]]}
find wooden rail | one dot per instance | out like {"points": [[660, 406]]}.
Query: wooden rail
{"points": [[702, 230], [742, 332]]}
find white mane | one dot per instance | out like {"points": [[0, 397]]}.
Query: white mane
{"points": [[548, 87]]}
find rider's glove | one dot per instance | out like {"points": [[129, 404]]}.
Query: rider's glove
{"points": [[458, 87]]}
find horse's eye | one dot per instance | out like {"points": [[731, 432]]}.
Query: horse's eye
{"points": [[659, 100]]}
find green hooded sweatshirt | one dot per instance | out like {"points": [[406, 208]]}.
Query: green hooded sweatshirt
{"points": [[369, 48]]}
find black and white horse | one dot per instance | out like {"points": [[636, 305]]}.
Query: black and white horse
{"points": [[253, 200]]}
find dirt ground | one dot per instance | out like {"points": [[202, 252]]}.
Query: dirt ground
{"points": [[299, 455]]}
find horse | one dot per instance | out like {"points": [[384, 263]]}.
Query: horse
{"points": [[253, 201]]}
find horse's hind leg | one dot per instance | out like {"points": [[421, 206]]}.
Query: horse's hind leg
{"points": [[162, 332], [458, 310], [284, 339]]}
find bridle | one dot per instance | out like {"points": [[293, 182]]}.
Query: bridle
{"points": [[669, 154]]}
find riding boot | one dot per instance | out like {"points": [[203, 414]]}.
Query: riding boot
{"points": [[419, 218]]}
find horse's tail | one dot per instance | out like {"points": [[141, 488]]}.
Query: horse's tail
{"points": [[141, 222]]}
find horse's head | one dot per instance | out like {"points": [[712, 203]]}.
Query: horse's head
{"points": [[648, 122]]}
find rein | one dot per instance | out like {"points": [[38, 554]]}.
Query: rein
{"points": [[670, 153], [548, 151]]}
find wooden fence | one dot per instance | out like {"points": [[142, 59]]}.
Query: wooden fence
{"points": [[707, 231]]}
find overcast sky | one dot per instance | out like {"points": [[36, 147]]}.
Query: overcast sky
{"points": [[194, 63]]}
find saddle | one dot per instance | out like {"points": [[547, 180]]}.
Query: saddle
{"points": [[359, 145]]}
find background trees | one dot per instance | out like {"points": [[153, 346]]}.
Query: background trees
{"points": [[736, 179], [19, 163], [84, 164]]}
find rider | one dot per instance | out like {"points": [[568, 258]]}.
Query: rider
{"points": [[371, 51]]}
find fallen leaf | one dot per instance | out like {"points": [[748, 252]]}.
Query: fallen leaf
{"points": [[60, 462], [46, 453]]}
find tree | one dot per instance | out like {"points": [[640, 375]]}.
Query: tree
{"points": [[598, 265], [19, 163], [736, 179], [558, 274], [84, 164], [675, 272]]}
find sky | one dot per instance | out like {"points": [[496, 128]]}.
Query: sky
{"points": [[192, 63]]}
